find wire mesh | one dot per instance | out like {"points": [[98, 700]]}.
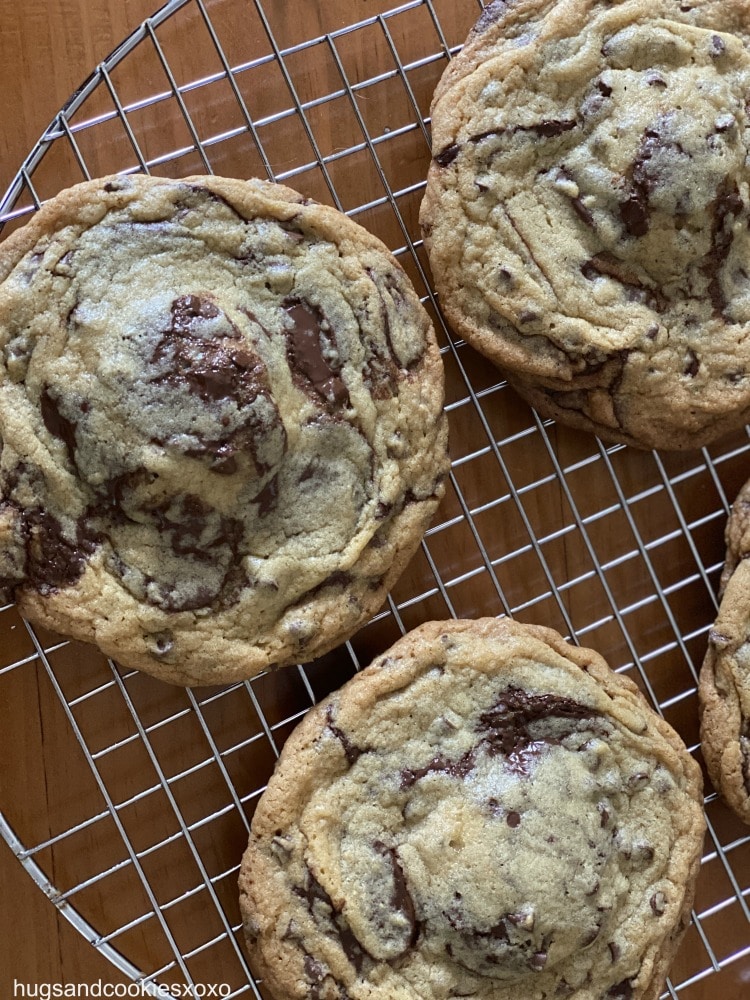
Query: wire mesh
{"points": [[139, 846]]}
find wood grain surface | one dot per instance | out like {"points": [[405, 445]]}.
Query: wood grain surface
{"points": [[47, 48]]}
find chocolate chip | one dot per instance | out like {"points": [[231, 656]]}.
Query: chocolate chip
{"points": [[692, 363], [308, 356], [621, 991], [716, 46], [513, 819], [58, 425], [401, 899], [268, 497], [447, 155], [550, 128], [351, 752], [635, 216], [582, 212], [614, 950]]}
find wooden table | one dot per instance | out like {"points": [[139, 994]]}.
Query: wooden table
{"points": [[47, 47]]}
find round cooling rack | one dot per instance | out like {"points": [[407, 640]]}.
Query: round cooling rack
{"points": [[134, 810]]}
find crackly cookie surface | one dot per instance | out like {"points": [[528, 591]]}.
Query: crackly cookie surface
{"points": [[724, 691], [220, 422], [484, 812], [586, 212]]}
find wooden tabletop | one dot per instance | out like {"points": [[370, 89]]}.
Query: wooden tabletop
{"points": [[47, 48]]}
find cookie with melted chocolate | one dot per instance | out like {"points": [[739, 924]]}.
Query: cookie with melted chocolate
{"points": [[485, 811], [220, 420], [724, 690], [587, 211]]}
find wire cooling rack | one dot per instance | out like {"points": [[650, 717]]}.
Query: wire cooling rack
{"points": [[140, 837]]}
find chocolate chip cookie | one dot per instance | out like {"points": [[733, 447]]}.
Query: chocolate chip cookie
{"points": [[587, 211], [220, 419], [724, 690], [484, 812]]}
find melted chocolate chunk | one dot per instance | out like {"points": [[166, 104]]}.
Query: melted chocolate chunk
{"points": [[213, 368], [447, 155], [548, 128], [401, 899], [521, 724], [745, 753], [692, 363], [307, 353], [582, 212], [726, 207], [187, 309], [621, 991], [635, 215], [384, 368], [635, 211], [268, 497], [439, 765], [351, 751], [206, 543], [58, 425], [186, 520], [53, 561]]}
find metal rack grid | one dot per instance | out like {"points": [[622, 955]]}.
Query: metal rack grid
{"points": [[618, 549]]}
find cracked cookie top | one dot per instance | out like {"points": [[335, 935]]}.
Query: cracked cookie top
{"points": [[484, 812], [586, 212], [220, 422]]}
